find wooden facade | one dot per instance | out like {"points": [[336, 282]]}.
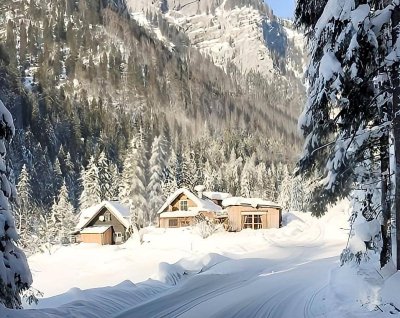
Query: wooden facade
{"points": [[105, 238], [242, 217], [175, 205], [177, 222]]}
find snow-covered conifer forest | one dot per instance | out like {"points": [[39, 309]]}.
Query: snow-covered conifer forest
{"points": [[117, 105]]}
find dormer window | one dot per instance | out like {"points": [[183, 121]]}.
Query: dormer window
{"points": [[183, 205]]}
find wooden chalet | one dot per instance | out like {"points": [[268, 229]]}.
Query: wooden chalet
{"points": [[252, 213], [182, 207], [105, 223]]}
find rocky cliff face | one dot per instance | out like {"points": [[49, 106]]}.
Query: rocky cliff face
{"points": [[242, 32]]}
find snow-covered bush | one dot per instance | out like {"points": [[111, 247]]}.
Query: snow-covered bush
{"points": [[206, 227]]}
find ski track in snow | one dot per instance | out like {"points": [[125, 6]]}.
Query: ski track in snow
{"points": [[282, 288], [280, 294]]}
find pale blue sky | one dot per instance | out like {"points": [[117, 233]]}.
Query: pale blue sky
{"points": [[282, 8]]}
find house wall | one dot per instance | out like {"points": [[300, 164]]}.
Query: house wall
{"points": [[272, 218], [164, 222], [187, 221], [174, 206], [117, 226], [107, 237], [103, 239]]}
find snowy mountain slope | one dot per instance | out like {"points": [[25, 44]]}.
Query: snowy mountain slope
{"points": [[245, 33]]}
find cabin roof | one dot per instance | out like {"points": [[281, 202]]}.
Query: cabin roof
{"points": [[216, 195], [203, 204], [119, 210], [253, 202], [95, 229]]}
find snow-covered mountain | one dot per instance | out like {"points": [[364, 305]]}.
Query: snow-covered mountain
{"points": [[244, 32]]}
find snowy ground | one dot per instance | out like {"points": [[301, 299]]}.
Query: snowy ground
{"points": [[287, 272]]}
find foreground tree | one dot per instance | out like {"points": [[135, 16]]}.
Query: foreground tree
{"points": [[348, 113], [15, 276]]}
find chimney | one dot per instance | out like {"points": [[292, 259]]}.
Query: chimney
{"points": [[199, 189]]}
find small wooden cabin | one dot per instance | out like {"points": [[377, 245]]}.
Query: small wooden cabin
{"points": [[102, 235], [104, 223], [252, 213], [182, 207]]}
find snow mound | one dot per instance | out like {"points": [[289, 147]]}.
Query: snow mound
{"points": [[172, 273]]}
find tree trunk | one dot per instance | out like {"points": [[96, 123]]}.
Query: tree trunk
{"points": [[385, 201], [396, 131]]}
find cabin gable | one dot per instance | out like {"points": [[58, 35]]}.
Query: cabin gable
{"points": [[176, 203]]}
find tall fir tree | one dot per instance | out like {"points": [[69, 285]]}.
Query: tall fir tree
{"points": [[91, 193], [63, 218], [154, 189], [14, 270], [345, 120]]}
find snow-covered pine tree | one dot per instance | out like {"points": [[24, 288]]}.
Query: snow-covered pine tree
{"points": [[140, 198], [248, 179], [270, 184], [133, 182], [104, 172], [154, 190], [114, 181], [298, 194], [179, 167], [65, 215], [169, 183], [285, 189], [188, 170], [71, 179], [15, 276], [91, 193], [24, 210], [232, 173], [261, 185], [128, 171], [57, 176], [346, 117], [209, 176]]}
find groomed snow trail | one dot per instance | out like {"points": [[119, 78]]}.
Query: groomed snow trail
{"points": [[286, 280], [255, 288]]}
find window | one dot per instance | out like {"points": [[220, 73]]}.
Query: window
{"points": [[107, 217], [252, 221], [185, 223], [183, 205], [173, 222]]}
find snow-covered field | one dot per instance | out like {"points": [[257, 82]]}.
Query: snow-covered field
{"points": [[288, 272]]}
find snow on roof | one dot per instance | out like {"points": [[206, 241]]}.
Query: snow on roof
{"points": [[202, 204], [120, 211], [95, 229], [179, 214], [254, 202], [217, 195]]}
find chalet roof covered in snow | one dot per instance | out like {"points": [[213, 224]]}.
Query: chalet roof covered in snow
{"points": [[120, 211], [216, 195], [95, 229], [254, 202], [203, 204]]}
